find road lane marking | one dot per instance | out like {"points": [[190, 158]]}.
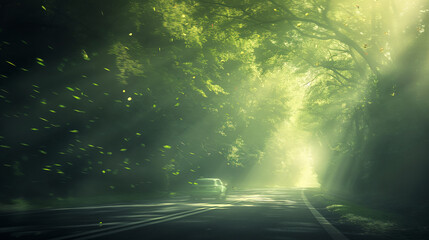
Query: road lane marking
{"points": [[128, 226], [332, 231], [132, 224]]}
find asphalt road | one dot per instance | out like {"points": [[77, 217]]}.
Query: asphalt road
{"points": [[248, 214]]}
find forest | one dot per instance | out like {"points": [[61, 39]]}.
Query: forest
{"points": [[121, 97]]}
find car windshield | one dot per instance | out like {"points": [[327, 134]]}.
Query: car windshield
{"points": [[206, 182]]}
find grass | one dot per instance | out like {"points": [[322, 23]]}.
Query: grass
{"points": [[360, 215]]}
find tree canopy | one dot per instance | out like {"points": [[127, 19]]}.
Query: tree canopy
{"points": [[132, 96]]}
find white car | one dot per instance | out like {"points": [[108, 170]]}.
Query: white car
{"points": [[208, 188]]}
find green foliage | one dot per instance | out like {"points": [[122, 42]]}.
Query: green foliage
{"points": [[227, 84]]}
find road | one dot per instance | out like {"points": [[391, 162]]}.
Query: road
{"points": [[246, 214]]}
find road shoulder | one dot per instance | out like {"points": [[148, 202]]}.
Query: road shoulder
{"points": [[360, 221]]}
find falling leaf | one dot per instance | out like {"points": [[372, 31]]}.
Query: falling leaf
{"points": [[42, 152], [4, 146], [85, 55], [107, 69], [35, 129], [11, 63], [43, 7], [24, 144], [61, 106], [78, 98], [40, 61], [74, 131], [71, 89], [123, 150], [167, 146]]}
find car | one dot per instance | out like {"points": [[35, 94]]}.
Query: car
{"points": [[208, 188]]}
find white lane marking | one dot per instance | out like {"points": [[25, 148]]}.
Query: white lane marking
{"points": [[138, 224], [125, 225], [145, 224], [332, 231]]}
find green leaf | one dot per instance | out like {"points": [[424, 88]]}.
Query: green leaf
{"points": [[167, 146], [11, 63]]}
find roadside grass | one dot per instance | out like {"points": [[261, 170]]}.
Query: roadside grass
{"points": [[21, 204], [360, 215]]}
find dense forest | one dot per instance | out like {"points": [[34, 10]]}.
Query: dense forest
{"points": [[134, 96]]}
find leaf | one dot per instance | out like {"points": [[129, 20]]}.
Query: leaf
{"points": [[4, 146], [74, 131], [167, 146], [123, 150], [78, 98], [71, 89], [11, 63], [35, 129]]}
